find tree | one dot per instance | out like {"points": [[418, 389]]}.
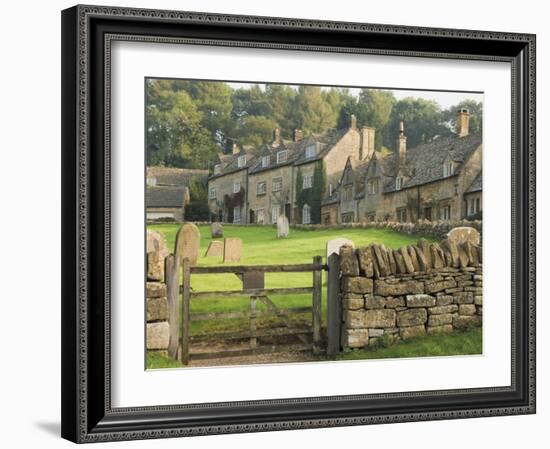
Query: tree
{"points": [[175, 134], [372, 107], [313, 114], [254, 130], [423, 121]]}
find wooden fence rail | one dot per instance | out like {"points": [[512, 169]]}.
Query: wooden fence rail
{"points": [[255, 294]]}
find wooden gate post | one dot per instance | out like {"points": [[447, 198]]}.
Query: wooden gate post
{"points": [[171, 270], [185, 311], [334, 309], [316, 306]]}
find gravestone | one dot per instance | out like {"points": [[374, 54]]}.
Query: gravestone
{"points": [[464, 234], [215, 249], [216, 230], [282, 226], [334, 245], [233, 249], [188, 241]]}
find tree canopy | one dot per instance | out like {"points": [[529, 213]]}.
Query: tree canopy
{"points": [[188, 122]]}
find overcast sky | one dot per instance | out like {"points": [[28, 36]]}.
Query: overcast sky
{"points": [[444, 98]]}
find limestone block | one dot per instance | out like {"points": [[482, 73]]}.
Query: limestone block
{"points": [[411, 317], [420, 301]]}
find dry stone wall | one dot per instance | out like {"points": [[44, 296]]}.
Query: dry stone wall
{"points": [[438, 229], [158, 328], [428, 288]]}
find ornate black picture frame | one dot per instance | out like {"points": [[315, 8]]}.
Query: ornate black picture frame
{"points": [[87, 34]]}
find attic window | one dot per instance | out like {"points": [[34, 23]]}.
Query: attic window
{"points": [[217, 169], [282, 156], [241, 161], [398, 183], [310, 152], [448, 169], [265, 161]]}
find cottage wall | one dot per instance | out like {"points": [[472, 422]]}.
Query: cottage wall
{"points": [[270, 198], [224, 186]]}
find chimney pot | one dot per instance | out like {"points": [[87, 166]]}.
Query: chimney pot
{"points": [[298, 135], [463, 122]]}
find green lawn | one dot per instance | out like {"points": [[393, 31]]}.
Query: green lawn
{"points": [[260, 246]]}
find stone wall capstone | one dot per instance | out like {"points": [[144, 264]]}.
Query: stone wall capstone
{"points": [[427, 288]]}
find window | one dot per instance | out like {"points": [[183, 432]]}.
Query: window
{"points": [[347, 193], [282, 156], [265, 161], [212, 193], [277, 184], [261, 188], [428, 213], [308, 182], [306, 214], [448, 169], [275, 211], [330, 190], [310, 151], [237, 214], [402, 215], [371, 217], [372, 187], [241, 161], [446, 212], [236, 186], [398, 183], [217, 169], [347, 217], [260, 216], [474, 206]]}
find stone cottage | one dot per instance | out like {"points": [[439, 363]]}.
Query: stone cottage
{"points": [[228, 186], [439, 180], [271, 179], [167, 191]]}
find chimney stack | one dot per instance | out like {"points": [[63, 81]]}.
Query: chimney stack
{"points": [[401, 141], [353, 122], [463, 123], [366, 149], [298, 135]]}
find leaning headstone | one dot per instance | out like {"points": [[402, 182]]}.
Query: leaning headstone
{"points": [[188, 241], [233, 249], [464, 234], [282, 226], [216, 230], [215, 249], [334, 245]]}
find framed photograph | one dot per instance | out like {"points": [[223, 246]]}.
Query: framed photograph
{"points": [[277, 224]]}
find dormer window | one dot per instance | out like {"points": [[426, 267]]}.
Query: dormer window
{"points": [[398, 183], [241, 161], [265, 161], [448, 168], [310, 151], [217, 169], [372, 187], [282, 156]]}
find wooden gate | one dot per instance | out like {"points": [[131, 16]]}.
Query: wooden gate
{"points": [[252, 277]]}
